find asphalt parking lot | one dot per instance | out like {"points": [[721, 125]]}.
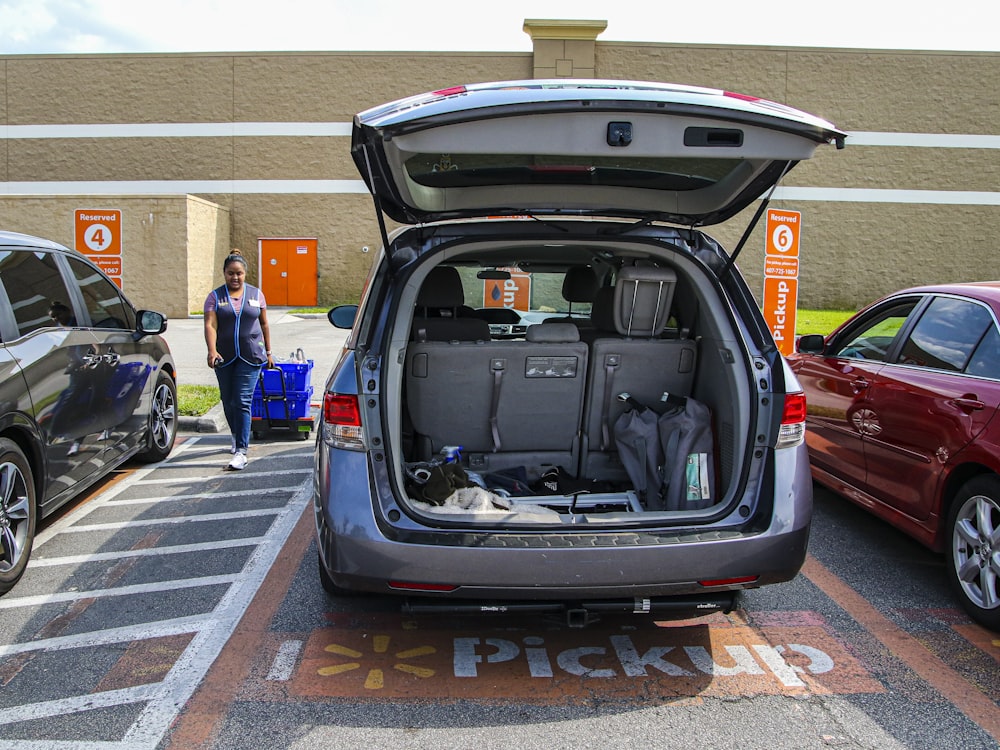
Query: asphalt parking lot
{"points": [[177, 606]]}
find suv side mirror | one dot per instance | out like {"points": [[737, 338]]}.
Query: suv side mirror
{"points": [[150, 323], [811, 343], [342, 316]]}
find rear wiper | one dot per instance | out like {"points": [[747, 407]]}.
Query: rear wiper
{"points": [[624, 228]]}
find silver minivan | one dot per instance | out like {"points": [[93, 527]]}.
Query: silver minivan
{"points": [[558, 393]]}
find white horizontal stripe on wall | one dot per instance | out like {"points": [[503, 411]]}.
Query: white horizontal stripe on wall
{"points": [[180, 130], [183, 187], [314, 187], [923, 140], [870, 195], [343, 129]]}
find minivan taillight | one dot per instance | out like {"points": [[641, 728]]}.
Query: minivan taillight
{"points": [[342, 422], [793, 421]]}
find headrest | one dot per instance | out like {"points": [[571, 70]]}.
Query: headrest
{"points": [[643, 295], [441, 288], [602, 311], [552, 333], [579, 284]]}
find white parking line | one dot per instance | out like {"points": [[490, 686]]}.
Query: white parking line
{"points": [[87, 508], [210, 631], [197, 496], [284, 661], [80, 528], [177, 549], [72, 705], [13, 602], [142, 632], [223, 475]]}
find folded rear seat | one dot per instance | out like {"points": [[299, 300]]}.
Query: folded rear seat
{"points": [[507, 403], [631, 359]]}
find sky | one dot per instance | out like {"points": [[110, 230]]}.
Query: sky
{"points": [[113, 26]]}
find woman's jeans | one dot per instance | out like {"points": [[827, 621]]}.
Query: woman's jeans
{"points": [[237, 381]]}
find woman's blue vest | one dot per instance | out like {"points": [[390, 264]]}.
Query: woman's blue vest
{"points": [[239, 336]]}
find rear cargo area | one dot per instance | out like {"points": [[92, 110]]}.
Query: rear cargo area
{"points": [[631, 399]]}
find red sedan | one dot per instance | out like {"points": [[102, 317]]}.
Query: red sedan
{"points": [[902, 402]]}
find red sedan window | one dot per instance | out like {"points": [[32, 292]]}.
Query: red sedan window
{"points": [[946, 335], [985, 362]]}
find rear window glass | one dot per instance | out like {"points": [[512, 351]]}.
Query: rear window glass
{"points": [[946, 334], [524, 291], [478, 170], [986, 361]]}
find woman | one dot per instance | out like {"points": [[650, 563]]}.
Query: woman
{"points": [[239, 344]]}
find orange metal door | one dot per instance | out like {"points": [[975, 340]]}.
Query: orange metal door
{"points": [[302, 272], [273, 265]]}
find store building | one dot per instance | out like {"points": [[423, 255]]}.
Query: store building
{"points": [[193, 154]]}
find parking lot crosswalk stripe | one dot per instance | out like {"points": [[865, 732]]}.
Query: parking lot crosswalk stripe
{"points": [[9, 602], [175, 549], [75, 704], [161, 629], [227, 475], [80, 528], [277, 492]]}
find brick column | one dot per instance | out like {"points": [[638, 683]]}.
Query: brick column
{"points": [[564, 49]]}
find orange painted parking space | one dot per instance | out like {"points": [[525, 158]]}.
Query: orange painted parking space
{"points": [[384, 655], [390, 658]]}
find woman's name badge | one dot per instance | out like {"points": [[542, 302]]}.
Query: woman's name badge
{"points": [[254, 302]]}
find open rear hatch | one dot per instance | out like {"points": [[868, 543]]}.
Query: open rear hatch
{"points": [[663, 152]]}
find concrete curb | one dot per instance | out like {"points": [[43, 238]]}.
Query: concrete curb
{"points": [[214, 420]]}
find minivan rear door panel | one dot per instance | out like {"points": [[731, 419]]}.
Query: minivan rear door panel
{"points": [[656, 151]]}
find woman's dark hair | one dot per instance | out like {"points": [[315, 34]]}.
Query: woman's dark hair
{"points": [[234, 257]]}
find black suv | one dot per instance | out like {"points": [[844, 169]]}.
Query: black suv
{"points": [[86, 383]]}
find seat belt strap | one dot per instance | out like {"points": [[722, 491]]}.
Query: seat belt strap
{"points": [[611, 361], [497, 365]]}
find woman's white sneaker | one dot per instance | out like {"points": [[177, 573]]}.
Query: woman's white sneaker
{"points": [[239, 462]]}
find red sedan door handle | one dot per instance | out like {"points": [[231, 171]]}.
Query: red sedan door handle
{"points": [[968, 403], [859, 385]]}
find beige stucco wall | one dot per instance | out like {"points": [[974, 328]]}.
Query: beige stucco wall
{"points": [[170, 244], [852, 250]]}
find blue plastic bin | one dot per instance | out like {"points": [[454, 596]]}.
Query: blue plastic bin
{"points": [[298, 405], [297, 376]]}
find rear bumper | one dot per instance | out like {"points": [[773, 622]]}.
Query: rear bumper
{"points": [[358, 554]]}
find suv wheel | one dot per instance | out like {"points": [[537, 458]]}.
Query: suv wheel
{"points": [[162, 420], [17, 514], [974, 549]]}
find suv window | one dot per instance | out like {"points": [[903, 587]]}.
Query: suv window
{"points": [[104, 303], [872, 342], [35, 288], [535, 291], [946, 334]]}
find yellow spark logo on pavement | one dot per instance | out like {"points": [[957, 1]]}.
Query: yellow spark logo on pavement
{"points": [[376, 676]]}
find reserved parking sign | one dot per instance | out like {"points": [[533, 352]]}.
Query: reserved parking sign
{"points": [[99, 237], [781, 276]]}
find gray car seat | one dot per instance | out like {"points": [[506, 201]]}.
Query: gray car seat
{"points": [[438, 310], [631, 359]]}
